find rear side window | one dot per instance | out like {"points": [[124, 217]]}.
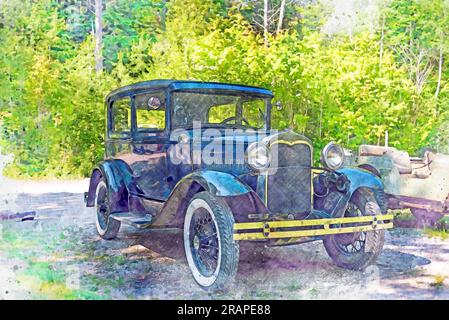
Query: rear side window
{"points": [[120, 124], [150, 112]]}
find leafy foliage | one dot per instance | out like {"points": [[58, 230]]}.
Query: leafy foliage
{"points": [[349, 88]]}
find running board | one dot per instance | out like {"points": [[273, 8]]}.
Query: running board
{"points": [[137, 220]]}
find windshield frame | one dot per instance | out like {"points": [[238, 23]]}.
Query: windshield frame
{"points": [[267, 110]]}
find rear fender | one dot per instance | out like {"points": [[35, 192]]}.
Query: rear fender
{"points": [[120, 183]]}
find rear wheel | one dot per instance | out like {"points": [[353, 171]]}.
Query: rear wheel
{"points": [[211, 252], [107, 227], [356, 251]]}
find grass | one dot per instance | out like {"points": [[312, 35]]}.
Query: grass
{"points": [[293, 287], [45, 272], [404, 214], [439, 282], [44, 279], [95, 281], [442, 232], [434, 233], [56, 289], [313, 293]]}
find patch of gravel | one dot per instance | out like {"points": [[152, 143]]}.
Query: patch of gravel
{"points": [[151, 264]]}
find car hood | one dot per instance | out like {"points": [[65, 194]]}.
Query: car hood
{"points": [[224, 135]]}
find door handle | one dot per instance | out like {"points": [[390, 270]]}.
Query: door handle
{"points": [[138, 150]]}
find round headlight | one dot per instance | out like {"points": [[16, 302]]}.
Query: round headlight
{"points": [[258, 156], [332, 156]]}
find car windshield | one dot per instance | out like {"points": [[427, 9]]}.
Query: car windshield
{"points": [[218, 110]]}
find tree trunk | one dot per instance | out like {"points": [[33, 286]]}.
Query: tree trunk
{"points": [[98, 35], [164, 15], [265, 22], [281, 17], [440, 71], [381, 52], [321, 119]]}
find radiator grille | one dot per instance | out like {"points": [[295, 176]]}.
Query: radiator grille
{"points": [[289, 186]]}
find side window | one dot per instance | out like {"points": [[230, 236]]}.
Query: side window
{"points": [[121, 118], [221, 112], [253, 113], [150, 112]]}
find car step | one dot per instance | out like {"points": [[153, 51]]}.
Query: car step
{"points": [[137, 220]]}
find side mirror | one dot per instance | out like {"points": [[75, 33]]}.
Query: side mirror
{"points": [[279, 105]]}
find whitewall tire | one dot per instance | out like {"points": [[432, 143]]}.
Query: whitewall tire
{"points": [[211, 252]]}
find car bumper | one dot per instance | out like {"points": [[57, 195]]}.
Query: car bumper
{"points": [[265, 230]]}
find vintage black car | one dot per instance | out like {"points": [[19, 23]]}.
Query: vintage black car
{"points": [[202, 157]]}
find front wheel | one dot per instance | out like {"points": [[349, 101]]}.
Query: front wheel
{"points": [[211, 252], [356, 251]]}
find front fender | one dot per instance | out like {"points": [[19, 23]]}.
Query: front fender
{"points": [[358, 179], [218, 183], [361, 179]]}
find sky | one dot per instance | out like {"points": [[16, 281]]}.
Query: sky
{"points": [[350, 16]]}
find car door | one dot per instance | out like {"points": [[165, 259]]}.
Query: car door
{"points": [[150, 144]]}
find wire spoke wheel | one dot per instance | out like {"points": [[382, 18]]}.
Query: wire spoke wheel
{"points": [[351, 242], [204, 242], [102, 207], [355, 246], [107, 227], [357, 250], [211, 252]]}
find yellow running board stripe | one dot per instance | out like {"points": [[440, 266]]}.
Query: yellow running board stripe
{"points": [[265, 228], [304, 223]]}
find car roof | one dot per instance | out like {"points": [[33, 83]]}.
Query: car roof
{"points": [[174, 85]]}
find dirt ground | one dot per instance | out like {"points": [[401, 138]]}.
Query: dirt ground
{"points": [[58, 255]]}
